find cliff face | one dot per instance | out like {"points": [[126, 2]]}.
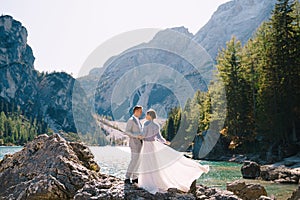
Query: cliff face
{"points": [[17, 76], [46, 96], [55, 101], [240, 18]]}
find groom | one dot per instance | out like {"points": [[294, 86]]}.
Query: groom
{"points": [[134, 131]]}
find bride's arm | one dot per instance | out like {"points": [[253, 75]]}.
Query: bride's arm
{"points": [[159, 137]]}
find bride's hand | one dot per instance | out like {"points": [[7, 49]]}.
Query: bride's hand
{"points": [[167, 143]]}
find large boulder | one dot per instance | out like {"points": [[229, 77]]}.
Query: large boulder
{"points": [[47, 168], [246, 191], [250, 170]]}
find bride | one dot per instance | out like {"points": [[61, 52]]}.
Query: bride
{"points": [[162, 167]]}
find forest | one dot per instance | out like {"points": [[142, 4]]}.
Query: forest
{"points": [[262, 85], [17, 129]]}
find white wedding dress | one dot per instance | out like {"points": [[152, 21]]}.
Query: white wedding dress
{"points": [[162, 167]]}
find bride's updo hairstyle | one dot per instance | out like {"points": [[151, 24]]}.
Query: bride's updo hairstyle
{"points": [[152, 113]]}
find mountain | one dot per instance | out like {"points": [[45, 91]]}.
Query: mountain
{"points": [[156, 74], [173, 69], [239, 17], [47, 97]]}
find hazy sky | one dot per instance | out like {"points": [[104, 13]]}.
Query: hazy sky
{"points": [[63, 33]]}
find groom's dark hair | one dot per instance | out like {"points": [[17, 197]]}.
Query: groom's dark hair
{"points": [[137, 107]]}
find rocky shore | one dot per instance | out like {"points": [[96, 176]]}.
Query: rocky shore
{"points": [[277, 172], [49, 167]]}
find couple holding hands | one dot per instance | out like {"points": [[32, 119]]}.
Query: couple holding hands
{"points": [[154, 165]]}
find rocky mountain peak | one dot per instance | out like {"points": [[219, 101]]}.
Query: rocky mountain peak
{"points": [[45, 96], [183, 30], [13, 43], [240, 18]]}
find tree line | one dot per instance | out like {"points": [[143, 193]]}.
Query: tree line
{"points": [[16, 129], [262, 86]]}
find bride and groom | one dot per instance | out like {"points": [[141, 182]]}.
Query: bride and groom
{"points": [[154, 165]]}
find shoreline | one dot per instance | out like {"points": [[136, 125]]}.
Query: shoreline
{"points": [[290, 162], [51, 160]]}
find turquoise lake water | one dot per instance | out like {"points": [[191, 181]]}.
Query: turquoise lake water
{"points": [[114, 161]]}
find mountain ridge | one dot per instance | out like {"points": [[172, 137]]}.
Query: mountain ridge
{"points": [[240, 18], [39, 95]]}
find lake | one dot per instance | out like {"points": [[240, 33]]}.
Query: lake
{"points": [[114, 161]]}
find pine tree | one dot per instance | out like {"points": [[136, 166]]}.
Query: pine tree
{"points": [[280, 75], [170, 129], [2, 123], [234, 75]]}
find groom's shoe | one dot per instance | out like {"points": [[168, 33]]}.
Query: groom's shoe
{"points": [[127, 181], [135, 181]]}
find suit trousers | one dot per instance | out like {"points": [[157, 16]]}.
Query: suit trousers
{"points": [[134, 161]]}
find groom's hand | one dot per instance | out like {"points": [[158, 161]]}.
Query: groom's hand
{"points": [[140, 137]]}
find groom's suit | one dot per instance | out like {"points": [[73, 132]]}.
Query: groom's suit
{"points": [[133, 129]]}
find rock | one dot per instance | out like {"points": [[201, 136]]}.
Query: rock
{"points": [[240, 18], [280, 174], [246, 191], [268, 173], [54, 100], [250, 170], [13, 43], [17, 75], [193, 188], [296, 194], [47, 168], [204, 192]]}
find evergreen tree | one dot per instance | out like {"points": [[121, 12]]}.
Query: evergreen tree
{"points": [[170, 129], [280, 74], [234, 74], [2, 123]]}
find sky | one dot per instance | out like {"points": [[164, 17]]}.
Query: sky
{"points": [[63, 33]]}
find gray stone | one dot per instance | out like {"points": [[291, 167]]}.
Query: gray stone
{"points": [[250, 170], [214, 193], [46, 168], [280, 174], [238, 18], [246, 191]]}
